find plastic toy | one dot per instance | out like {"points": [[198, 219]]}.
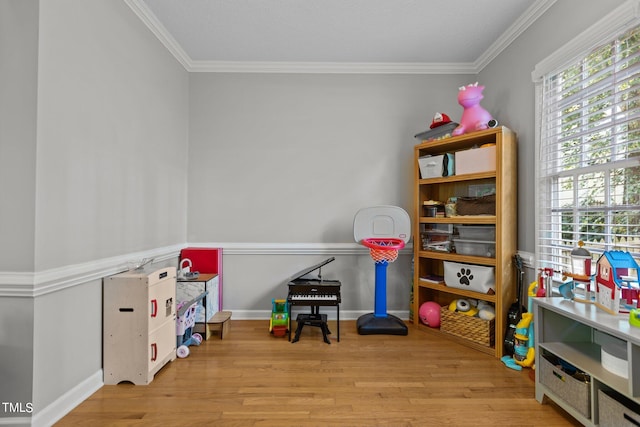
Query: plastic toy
{"points": [[440, 128], [617, 286], [579, 288], [524, 346], [545, 277], [384, 230], [186, 320], [279, 322], [474, 117], [486, 311], [473, 308], [634, 317], [429, 314], [524, 351], [464, 306]]}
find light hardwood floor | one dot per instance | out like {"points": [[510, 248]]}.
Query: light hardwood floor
{"points": [[251, 378]]}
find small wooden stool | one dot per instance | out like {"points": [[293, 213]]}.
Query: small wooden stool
{"points": [[220, 322]]}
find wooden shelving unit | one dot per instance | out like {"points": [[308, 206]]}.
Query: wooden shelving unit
{"points": [[427, 262]]}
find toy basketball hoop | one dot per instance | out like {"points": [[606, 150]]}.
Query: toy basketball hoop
{"points": [[383, 250], [384, 230]]}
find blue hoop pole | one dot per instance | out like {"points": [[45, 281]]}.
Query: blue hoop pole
{"points": [[381, 289]]}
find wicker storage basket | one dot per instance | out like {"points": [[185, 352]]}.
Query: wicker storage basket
{"points": [[616, 410], [471, 328], [576, 392], [483, 205]]}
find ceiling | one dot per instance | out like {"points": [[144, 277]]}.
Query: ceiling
{"points": [[385, 35]]}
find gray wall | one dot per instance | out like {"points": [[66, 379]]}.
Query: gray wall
{"points": [[288, 159], [18, 108], [18, 82], [112, 136], [292, 157], [109, 150], [510, 91], [94, 169], [511, 98]]}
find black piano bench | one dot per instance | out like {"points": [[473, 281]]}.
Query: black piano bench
{"points": [[319, 320]]}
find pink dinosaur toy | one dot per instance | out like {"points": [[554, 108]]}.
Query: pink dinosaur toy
{"points": [[474, 117]]}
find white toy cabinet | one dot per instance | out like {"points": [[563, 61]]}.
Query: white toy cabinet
{"points": [[139, 332]]}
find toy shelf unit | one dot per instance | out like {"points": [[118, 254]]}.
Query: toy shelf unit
{"points": [[472, 232], [139, 331], [585, 362]]}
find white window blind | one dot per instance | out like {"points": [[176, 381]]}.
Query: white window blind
{"points": [[588, 168]]}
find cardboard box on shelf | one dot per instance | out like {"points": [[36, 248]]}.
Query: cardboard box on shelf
{"points": [[475, 160]]}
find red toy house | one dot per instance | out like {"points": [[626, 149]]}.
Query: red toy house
{"points": [[617, 282]]}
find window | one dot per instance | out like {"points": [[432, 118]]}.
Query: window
{"points": [[588, 163]]}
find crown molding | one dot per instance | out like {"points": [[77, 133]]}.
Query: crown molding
{"points": [[535, 11], [518, 27], [145, 14], [330, 67]]}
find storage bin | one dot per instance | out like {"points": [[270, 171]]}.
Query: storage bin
{"points": [[430, 166], [615, 410], [613, 353], [433, 211], [436, 241], [477, 232], [471, 277], [475, 247], [436, 166], [471, 328], [483, 205], [614, 364], [574, 391], [475, 160]]}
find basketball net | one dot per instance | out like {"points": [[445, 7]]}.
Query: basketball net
{"points": [[383, 250]]}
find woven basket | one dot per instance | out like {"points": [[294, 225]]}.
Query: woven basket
{"points": [[483, 205], [576, 392], [471, 328]]}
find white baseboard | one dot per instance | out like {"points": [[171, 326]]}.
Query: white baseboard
{"points": [[65, 403]]}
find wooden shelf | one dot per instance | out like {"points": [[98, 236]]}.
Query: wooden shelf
{"points": [[457, 178], [455, 291], [460, 219], [447, 256], [428, 263]]}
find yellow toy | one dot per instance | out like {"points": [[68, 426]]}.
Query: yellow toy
{"points": [[463, 306], [524, 349]]}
